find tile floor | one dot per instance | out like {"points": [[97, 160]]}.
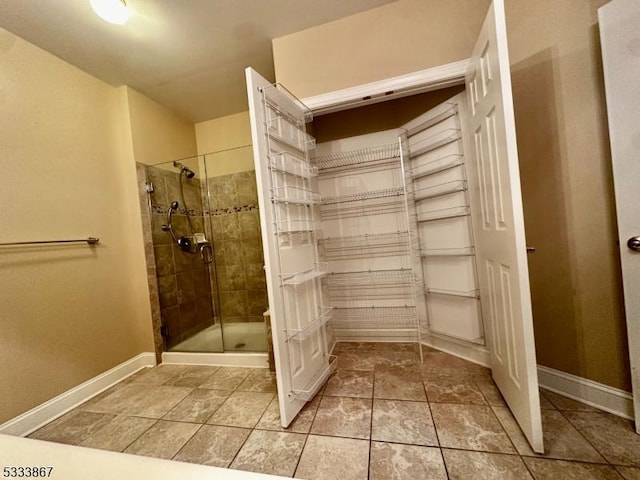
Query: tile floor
{"points": [[381, 416]]}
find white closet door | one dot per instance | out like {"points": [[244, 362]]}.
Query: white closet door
{"points": [[286, 219], [619, 21], [494, 178]]}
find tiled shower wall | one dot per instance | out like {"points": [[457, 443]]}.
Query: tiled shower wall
{"points": [[184, 282], [238, 247], [141, 172]]}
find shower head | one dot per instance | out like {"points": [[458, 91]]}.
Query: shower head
{"points": [[187, 171], [174, 205]]}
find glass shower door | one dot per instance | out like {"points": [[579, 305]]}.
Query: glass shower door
{"points": [[178, 204], [236, 237]]}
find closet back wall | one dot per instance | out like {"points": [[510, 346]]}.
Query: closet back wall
{"points": [[377, 117], [562, 135]]}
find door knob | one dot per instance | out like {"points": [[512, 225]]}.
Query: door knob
{"points": [[634, 243]]}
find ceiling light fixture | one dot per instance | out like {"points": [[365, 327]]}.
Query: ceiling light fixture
{"points": [[112, 11]]}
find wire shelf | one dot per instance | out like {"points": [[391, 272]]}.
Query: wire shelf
{"points": [[377, 334], [295, 195], [377, 206], [298, 140], [282, 101], [443, 213], [406, 326], [439, 140], [288, 227], [283, 121], [371, 167], [448, 113], [365, 246], [436, 166], [370, 285], [454, 293], [364, 196], [358, 157], [304, 333], [371, 278], [285, 162], [467, 251], [295, 279], [360, 315], [439, 190], [371, 293], [307, 392]]}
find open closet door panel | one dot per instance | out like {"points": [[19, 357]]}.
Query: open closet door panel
{"points": [[494, 186], [286, 202]]}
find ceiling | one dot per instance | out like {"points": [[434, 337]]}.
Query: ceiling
{"points": [[188, 55]]}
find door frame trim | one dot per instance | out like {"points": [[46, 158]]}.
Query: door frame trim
{"points": [[435, 78]]}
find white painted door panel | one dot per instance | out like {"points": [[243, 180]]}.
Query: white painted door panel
{"points": [[496, 202], [620, 35], [293, 288]]}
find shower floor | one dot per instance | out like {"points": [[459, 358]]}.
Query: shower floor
{"points": [[238, 337]]}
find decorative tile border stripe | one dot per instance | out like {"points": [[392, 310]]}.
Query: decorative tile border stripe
{"points": [[162, 210], [228, 210]]}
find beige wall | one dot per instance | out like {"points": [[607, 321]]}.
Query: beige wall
{"points": [[562, 137], [224, 142], [567, 189], [384, 42], [68, 312], [158, 134]]}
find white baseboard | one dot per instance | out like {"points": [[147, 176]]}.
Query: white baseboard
{"points": [[603, 397], [259, 360], [48, 411], [459, 348], [606, 398]]}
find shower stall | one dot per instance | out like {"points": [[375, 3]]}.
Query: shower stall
{"points": [[207, 252]]}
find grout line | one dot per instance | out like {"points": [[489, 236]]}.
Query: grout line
{"points": [[439, 446], [295, 469], [371, 428], [504, 430], [527, 467], [139, 436], [577, 429], [240, 449], [188, 440]]}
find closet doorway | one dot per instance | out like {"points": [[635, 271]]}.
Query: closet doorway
{"points": [[302, 291]]}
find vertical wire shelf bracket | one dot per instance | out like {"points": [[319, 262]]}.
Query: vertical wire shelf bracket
{"points": [[402, 141]]}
